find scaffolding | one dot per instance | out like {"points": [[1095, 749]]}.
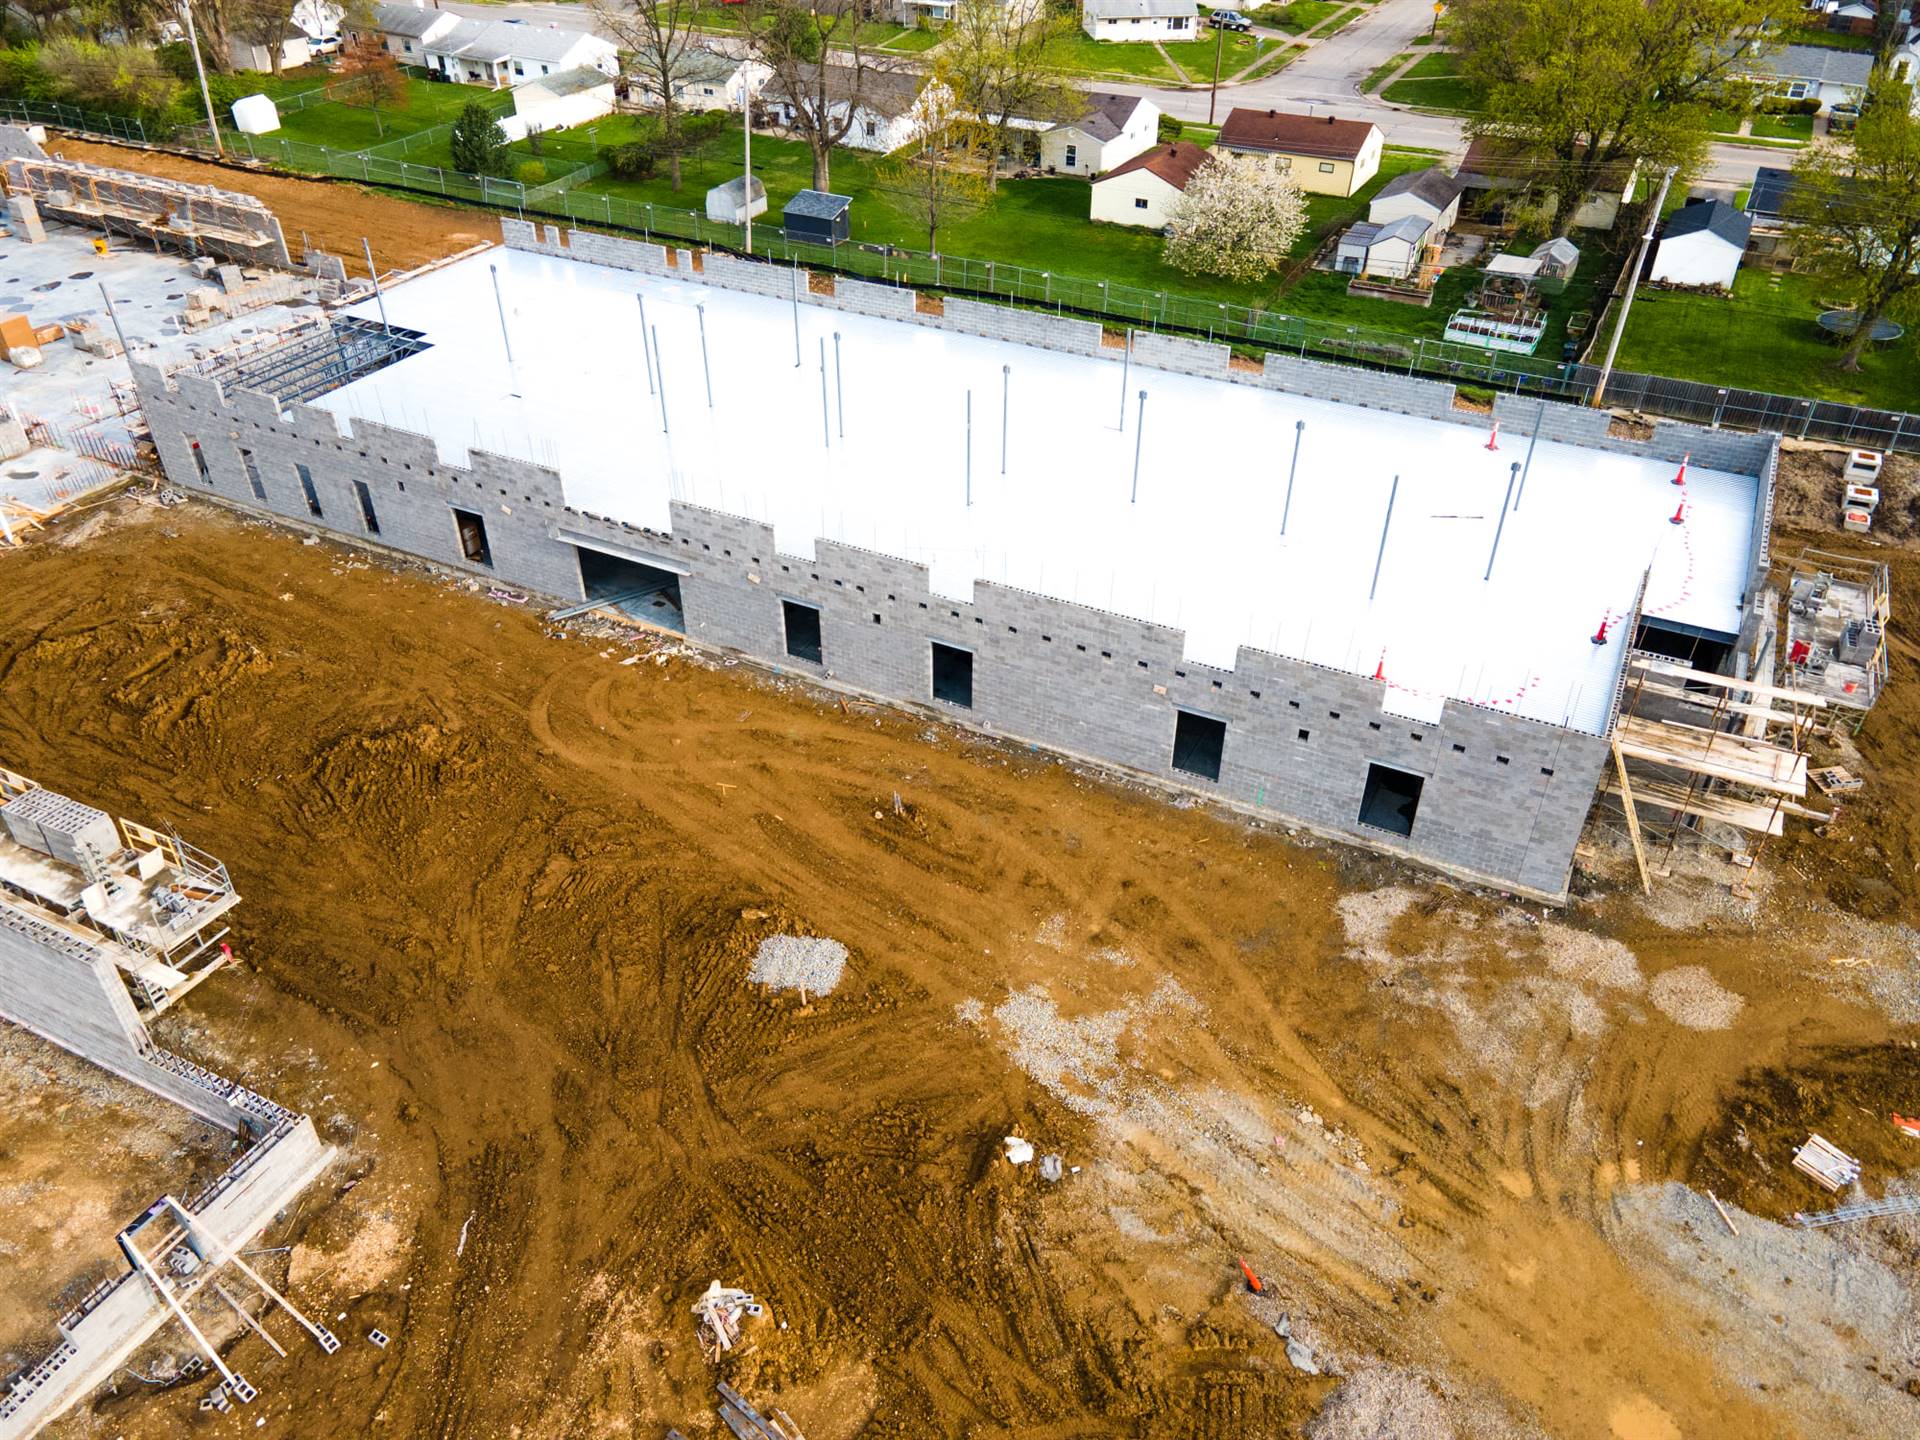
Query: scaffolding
{"points": [[1692, 749]]}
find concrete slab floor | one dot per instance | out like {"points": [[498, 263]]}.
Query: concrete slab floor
{"points": [[58, 282]]}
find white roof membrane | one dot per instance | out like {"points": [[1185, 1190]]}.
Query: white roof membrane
{"points": [[1200, 548]]}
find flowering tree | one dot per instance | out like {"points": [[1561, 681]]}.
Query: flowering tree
{"points": [[1238, 219]]}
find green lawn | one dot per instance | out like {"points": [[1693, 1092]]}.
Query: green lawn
{"points": [[1784, 127], [1433, 83], [1236, 54], [1275, 63], [1339, 22], [354, 127], [1380, 73], [1299, 17], [1832, 40], [1763, 337], [1724, 122], [1078, 53]]}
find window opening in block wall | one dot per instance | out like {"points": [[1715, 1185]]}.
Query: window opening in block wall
{"points": [[802, 624], [306, 489], [1391, 799], [367, 517], [952, 674], [473, 538], [1199, 742]]}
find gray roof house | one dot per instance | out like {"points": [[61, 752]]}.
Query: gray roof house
{"points": [[1432, 194], [1812, 72]]}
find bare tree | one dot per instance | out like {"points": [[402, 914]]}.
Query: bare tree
{"points": [[373, 79], [657, 40], [994, 60], [943, 178], [820, 64], [260, 22]]}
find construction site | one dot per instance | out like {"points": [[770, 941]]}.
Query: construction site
{"points": [[1106, 890]]}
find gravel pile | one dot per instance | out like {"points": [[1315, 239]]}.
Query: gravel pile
{"points": [[1691, 997], [798, 962], [1378, 1402]]}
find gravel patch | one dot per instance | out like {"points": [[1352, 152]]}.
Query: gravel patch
{"points": [[1592, 959], [1379, 1402], [1690, 996], [1369, 918], [798, 962]]}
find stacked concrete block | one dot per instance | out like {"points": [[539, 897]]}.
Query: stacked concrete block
{"points": [[756, 278], [23, 219], [617, 253], [1431, 399], [1180, 354]]}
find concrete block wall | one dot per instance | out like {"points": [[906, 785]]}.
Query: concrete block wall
{"points": [[619, 254], [1351, 385], [1023, 327], [862, 297], [70, 992], [413, 491], [1180, 354], [755, 277]]}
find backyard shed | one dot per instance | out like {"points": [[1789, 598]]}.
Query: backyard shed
{"points": [[818, 218], [1558, 258], [1702, 245], [734, 201], [1392, 250], [1431, 194]]}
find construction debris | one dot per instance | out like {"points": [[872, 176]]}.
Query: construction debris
{"points": [[721, 1310], [1051, 1167], [798, 962], [1826, 1162], [1019, 1152], [1835, 780], [1867, 1210], [1732, 1229], [747, 1423], [1907, 1124]]}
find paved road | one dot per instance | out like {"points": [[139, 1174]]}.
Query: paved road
{"points": [[1324, 81]]}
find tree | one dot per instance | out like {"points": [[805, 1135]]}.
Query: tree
{"points": [[124, 79], [1238, 219], [993, 58], [943, 178], [1578, 91], [657, 45], [820, 64], [478, 143], [373, 78], [1854, 213], [260, 22]]}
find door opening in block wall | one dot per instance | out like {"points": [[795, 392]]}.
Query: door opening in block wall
{"points": [[473, 538], [1391, 799], [1199, 743], [802, 624], [638, 591], [953, 675]]}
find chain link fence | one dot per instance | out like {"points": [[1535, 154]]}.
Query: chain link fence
{"points": [[1251, 326]]}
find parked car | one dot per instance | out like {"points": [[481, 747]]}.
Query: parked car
{"points": [[324, 45], [1229, 20]]}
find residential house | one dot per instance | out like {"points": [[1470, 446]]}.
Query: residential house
{"points": [[889, 110], [1141, 191], [318, 19], [1491, 168], [405, 29], [1325, 156], [1431, 195], [1701, 245], [559, 102], [258, 55], [1811, 72], [1114, 130], [938, 12], [1393, 250], [1140, 19], [707, 80], [502, 53]]}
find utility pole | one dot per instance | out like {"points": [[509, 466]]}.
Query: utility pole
{"points": [[193, 44], [1219, 44], [1633, 284], [746, 178]]}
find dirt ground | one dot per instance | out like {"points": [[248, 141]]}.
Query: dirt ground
{"points": [[333, 214], [502, 889]]}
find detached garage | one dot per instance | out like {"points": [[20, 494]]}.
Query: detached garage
{"points": [[1702, 245]]}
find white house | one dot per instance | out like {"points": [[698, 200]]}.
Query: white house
{"points": [[708, 80], [318, 19], [1812, 72], [405, 29], [1431, 195], [1140, 19], [559, 102], [1391, 250], [502, 52], [938, 12], [1141, 191], [253, 55], [1702, 245], [1114, 130], [890, 111]]}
